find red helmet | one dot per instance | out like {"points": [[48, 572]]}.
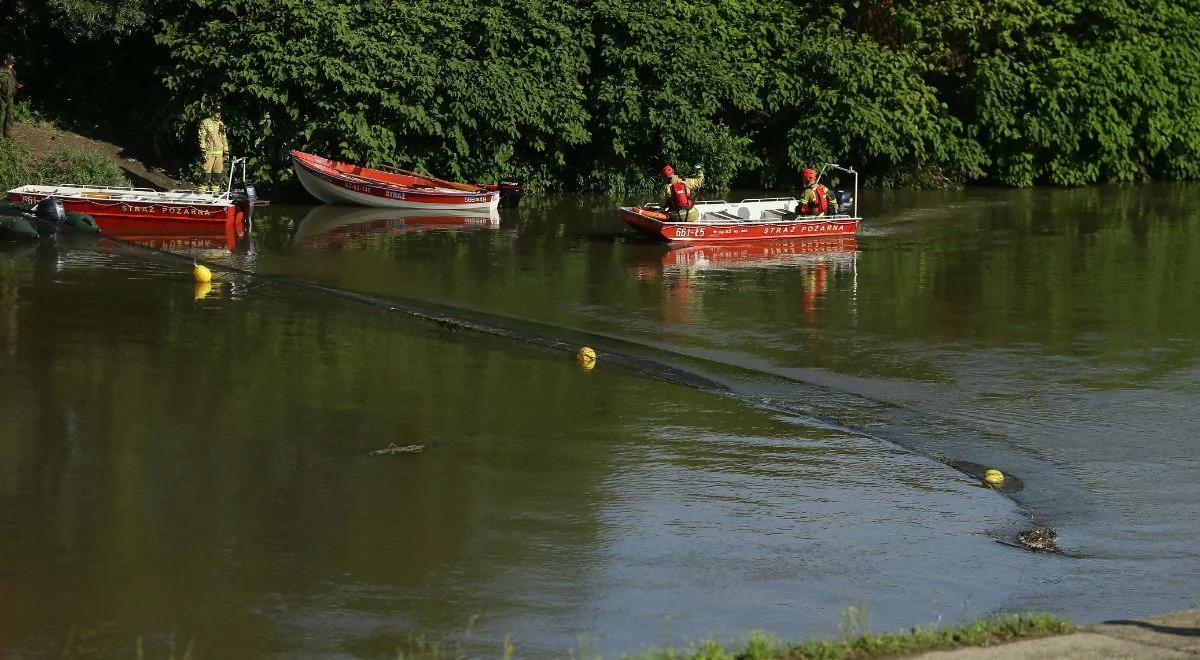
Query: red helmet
{"points": [[808, 174], [668, 172]]}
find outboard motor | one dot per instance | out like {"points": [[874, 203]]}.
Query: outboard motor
{"points": [[510, 193], [244, 196], [845, 202], [51, 209]]}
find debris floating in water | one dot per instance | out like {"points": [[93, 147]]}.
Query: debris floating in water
{"points": [[394, 448], [201, 273], [1039, 538]]}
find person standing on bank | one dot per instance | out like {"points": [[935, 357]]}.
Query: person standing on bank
{"points": [[216, 150], [8, 96], [815, 199], [679, 194]]}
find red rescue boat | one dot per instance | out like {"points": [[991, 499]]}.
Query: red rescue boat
{"points": [[118, 208], [747, 220], [335, 182]]}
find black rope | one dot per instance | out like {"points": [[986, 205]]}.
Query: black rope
{"points": [[456, 321]]}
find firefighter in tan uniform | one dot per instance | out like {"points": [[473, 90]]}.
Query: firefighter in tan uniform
{"points": [[679, 194], [215, 148]]}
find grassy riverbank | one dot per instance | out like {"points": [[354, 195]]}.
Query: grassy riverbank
{"points": [[42, 152], [856, 643], [21, 165]]}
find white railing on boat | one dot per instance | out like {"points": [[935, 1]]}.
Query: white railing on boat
{"points": [[100, 194], [768, 199]]}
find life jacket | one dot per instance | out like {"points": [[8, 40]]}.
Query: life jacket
{"points": [[681, 199], [818, 206]]}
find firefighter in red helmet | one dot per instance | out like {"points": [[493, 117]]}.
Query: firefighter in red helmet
{"points": [[815, 200], [679, 194]]}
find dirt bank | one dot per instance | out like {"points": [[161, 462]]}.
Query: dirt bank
{"points": [[45, 139]]}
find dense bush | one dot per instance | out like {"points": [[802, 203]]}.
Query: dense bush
{"points": [[460, 89], [598, 94], [19, 166]]}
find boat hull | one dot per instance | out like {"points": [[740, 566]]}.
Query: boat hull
{"points": [[657, 226], [116, 208], [325, 180]]}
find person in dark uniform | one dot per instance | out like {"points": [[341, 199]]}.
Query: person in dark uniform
{"points": [[8, 96]]}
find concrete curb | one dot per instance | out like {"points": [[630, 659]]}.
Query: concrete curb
{"points": [[1163, 636]]}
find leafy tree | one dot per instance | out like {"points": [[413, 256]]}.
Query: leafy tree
{"points": [[462, 90], [600, 94]]}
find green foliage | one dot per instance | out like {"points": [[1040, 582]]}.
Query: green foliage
{"points": [[463, 90], [669, 81], [26, 113], [1069, 92], [838, 97], [19, 166], [106, 16], [599, 95], [981, 632], [80, 166]]}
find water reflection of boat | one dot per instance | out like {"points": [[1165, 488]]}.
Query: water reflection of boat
{"points": [[231, 236], [332, 224], [763, 253]]}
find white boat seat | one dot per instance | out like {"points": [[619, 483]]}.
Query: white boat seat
{"points": [[722, 215], [779, 213]]}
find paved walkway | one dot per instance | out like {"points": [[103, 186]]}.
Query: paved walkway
{"points": [[1165, 636]]}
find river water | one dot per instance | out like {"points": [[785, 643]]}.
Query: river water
{"points": [[178, 469]]}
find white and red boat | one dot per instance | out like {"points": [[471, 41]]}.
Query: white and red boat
{"points": [[747, 220], [117, 208], [335, 182]]}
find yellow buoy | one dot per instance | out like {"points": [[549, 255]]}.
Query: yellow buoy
{"points": [[993, 477], [586, 358], [201, 290], [201, 273]]}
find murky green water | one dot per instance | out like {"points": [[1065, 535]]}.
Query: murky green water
{"points": [[175, 469]]}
